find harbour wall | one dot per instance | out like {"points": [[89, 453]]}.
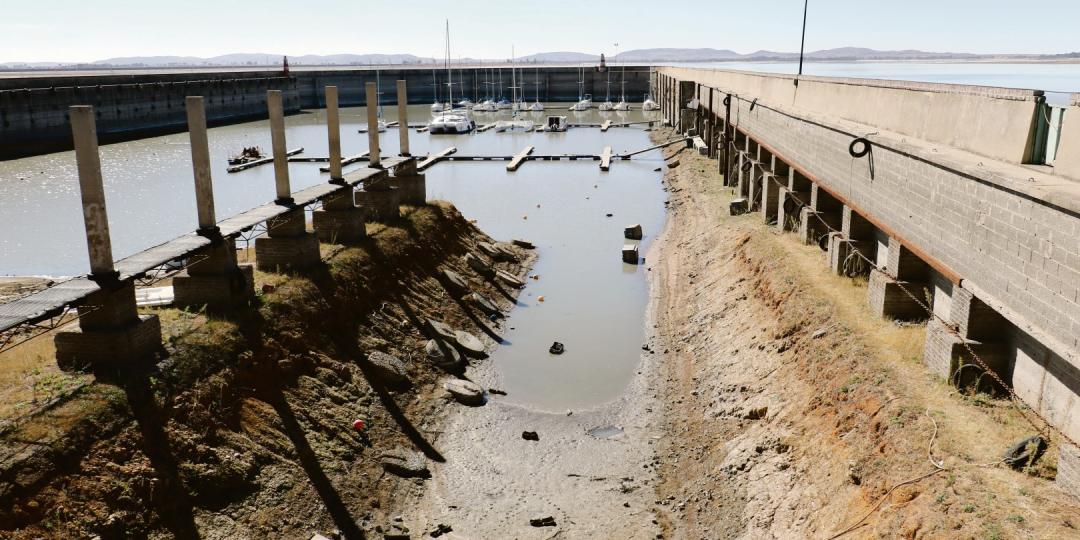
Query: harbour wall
{"points": [[33, 110], [945, 203]]}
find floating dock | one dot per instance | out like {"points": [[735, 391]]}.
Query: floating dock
{"points": [[263, 161]]}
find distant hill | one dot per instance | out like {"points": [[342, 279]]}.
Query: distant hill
{"points": [[841, 54]]}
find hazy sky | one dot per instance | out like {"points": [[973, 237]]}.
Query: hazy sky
{"points": [[85, 30]]}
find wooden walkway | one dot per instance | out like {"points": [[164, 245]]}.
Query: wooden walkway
{"points": [[435, 158], [519, 158], [346, 161], [605, 159]]}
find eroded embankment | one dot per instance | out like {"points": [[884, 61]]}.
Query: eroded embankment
{"points": [[792, 412], [246, 430]]}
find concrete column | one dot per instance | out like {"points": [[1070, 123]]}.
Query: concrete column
{"points": [[372, 92], [850, 250], [333, 131], [753, 183], [95, 218], [770, 190], [287, 246], [822, 216], [380, 199], [411, 185], [793, 197], [111, 333], [978, 327], [903, 271], [403, 117], [277, 138], [214, 279]]}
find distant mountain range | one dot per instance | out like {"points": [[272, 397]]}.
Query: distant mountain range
{"points": [[842, 54]]}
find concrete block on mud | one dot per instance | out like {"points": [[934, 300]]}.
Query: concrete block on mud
{"points": [[738, 206], [630, 253], [888, 299]]}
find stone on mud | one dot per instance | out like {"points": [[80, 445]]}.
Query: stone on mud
{"points": [[485, 305], [488, 249], [464, 391], [404, 462], [737, 207], [523, 244], [456, 282], [546, 521], [510, 279], [505, 253], [442, 330], [478, 264], [443, 355], [388, 367], [470, 344]]}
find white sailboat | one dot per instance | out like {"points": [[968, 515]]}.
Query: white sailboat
{"points": [[380, 124], [437, 106], [584, 100], [622, 105], [449, 120], [537, 106], [607, 105], [649, 104]]}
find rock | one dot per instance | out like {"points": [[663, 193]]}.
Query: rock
{"points": [[487, 248], [404, 462], [630, 253], [505, 253], [673, 163], [440, 530], [530, 436], [738, 206], [456, 282], [496, 391], [443, 355], [656, 169], [1024, 453], [442, 330], [523, 244], [394, 531], [817, 334], [546, 521], [464, 391], [318, 536], [485, 305], [388, 367], [756, 413], [609, 215], [510, 279], [632, 232], [477, 264], [470, 344], [557, 348]]}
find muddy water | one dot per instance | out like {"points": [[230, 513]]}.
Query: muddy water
{"points": [[593, 303]]}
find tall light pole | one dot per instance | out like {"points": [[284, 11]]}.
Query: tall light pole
{"points": [[802, 45]]}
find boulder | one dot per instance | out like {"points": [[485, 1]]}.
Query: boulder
{"points": [[509, 279], [455, 281], [505, 253], [404, 462], [443, 355], [470, 344], [388, 367], [487, 249], [523, 244], [485, 305], [466, 392], [441, 330], [477, 264]]}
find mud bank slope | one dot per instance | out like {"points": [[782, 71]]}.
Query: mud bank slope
{"points": [[245, 430], [791, 412]]}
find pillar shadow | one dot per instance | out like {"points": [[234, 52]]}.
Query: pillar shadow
{"points": [[175, 508], [310, 463]]}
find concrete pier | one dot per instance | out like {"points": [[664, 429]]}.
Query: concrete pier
{"points": [[339, 220], [214, 279], [111, 332], [380, 198], [856, 235], [287, 246], [889, 287]]}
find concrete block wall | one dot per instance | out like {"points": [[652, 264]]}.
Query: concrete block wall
{"points": [[957, 196]]}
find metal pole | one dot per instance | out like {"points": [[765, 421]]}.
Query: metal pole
{"points": [[277, 138], [802, 45], [333, 132], [96, 220], [403, 117], [373, 125], [200, 162]]}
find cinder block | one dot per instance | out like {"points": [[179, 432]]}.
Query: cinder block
{"points": [[412, 189], [849, 257], [286, 254], [116, 347], [888, 299], [339, 226], [946, 355], [218, 292], [381, 205]]}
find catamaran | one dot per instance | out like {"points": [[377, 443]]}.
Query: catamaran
{"points": [[449, 120]]}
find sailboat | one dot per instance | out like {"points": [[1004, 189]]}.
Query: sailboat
{"points": [[537, 106], [449, 120], [606, 105], [584, 100], [622, 105], [502, 103], [437, 106], [517, 104], [380, 124], [649, 104]]}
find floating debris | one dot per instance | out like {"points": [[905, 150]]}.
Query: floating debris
{"points": [[557, 348], [530, 436]]}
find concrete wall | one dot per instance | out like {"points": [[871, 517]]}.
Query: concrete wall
{"points": [[1068, 156], [33, 111], [948, 184]]}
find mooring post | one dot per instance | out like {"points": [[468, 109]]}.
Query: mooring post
{"points": [[277, 141], [403, 117], [111, 332], [214, 280], [373, 125], [333, 132]]}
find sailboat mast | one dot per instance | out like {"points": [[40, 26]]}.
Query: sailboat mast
{"points": [[513, 77], [449, 73]]}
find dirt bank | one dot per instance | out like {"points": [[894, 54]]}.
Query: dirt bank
{"points": [[246, 430], [793, 412]]}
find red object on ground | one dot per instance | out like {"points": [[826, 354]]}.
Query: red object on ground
{"points": [[358, 425]]}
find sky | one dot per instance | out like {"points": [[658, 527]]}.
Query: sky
{"points": [[87, 30]]}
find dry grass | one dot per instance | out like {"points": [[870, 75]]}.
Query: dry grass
{"points": [[30, 379]]}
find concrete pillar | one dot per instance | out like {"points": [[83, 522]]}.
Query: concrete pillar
{"points": [[277, 138], [403, 117], [755, 174], [200, 163], [770, 189], [287, 246], [978, 327], [380, 199], [852, 251], [411, 185], [903, 271], [793, 197], [822, 216], [339, 220], [111, 332], [374, 158], [333, 131]]}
